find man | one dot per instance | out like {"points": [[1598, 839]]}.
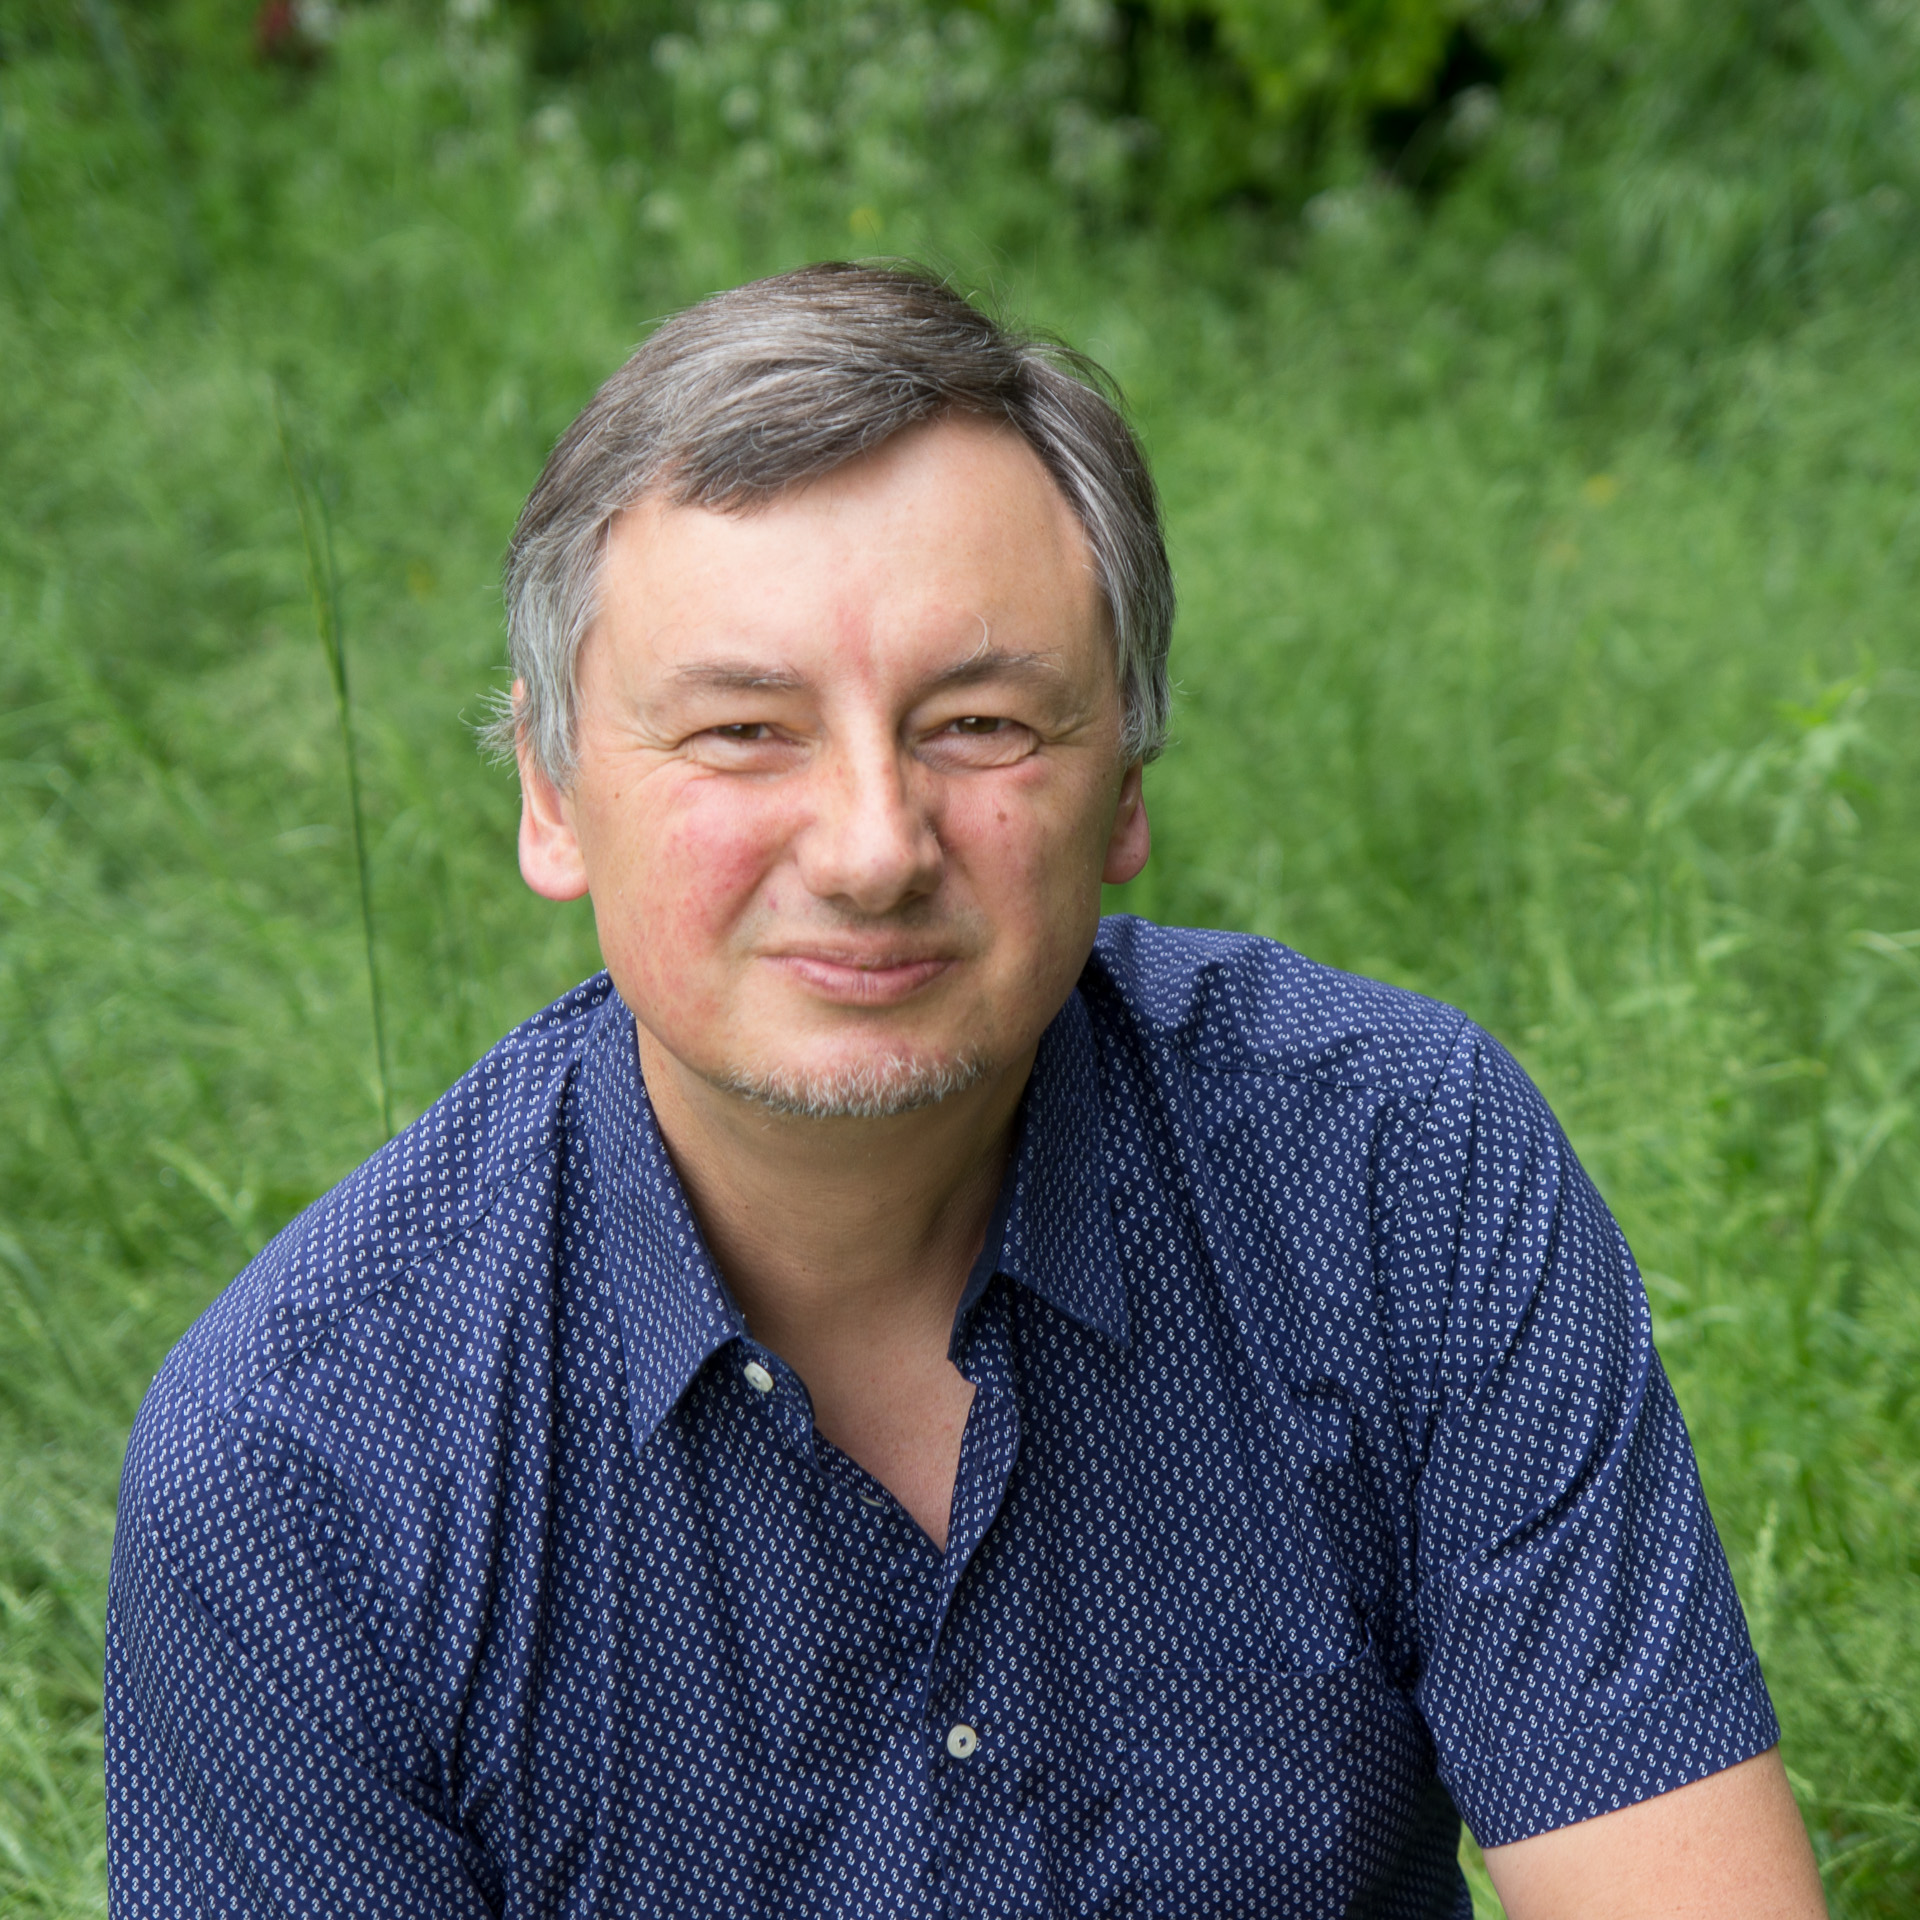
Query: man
{"points": [[900, 1399]]}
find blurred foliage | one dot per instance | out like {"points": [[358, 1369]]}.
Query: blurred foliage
{"points": [[1633, 177], [1663, 176], [1744, 145], [1361, 54], [1262, 98]]}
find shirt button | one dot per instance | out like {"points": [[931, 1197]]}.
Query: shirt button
{"points": [[873, 1500], [961, 1740], [758, 1378]]}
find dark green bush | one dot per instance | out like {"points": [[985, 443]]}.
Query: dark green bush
{"points": [[1160, 106]]}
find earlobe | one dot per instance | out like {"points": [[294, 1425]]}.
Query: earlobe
{"points": [[1132, 838], [550, 858]]}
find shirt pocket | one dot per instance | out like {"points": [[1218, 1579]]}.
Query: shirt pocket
{"points": [[1253, 1793]]}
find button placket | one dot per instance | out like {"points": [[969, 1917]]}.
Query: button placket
{"points": [[783, 1395]]}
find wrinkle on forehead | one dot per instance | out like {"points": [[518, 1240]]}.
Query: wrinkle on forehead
{"points": [[986, 662], [949, 526]]}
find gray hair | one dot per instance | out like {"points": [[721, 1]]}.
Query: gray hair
{"points": [[774, 384]]}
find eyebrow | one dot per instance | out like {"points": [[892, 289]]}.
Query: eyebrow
{"points": [[719, 676], [989, 663], [998, 663]]}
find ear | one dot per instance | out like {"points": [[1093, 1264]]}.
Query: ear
{"points": [[1132, 838], [550, 858]]}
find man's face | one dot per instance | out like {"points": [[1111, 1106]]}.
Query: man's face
{"points": [[849, 776]]}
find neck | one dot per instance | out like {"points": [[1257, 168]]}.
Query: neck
{"points": [[824, 1228]]}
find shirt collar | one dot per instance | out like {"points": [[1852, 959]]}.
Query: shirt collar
{"points": [[674, 1309], [1059, 1238], [1053, 1230]]}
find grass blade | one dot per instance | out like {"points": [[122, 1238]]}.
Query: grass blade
{"points": [[323, 587]]}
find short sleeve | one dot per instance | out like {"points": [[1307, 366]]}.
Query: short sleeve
{"points": [[1582, 1647], [258, 1760]]}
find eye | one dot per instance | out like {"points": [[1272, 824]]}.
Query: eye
{"points": [[741, 746], [978, 740]]}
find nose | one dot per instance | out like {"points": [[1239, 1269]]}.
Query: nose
{"points": [[871, 844]]}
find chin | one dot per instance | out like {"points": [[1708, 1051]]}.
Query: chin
{"points": [[878, 1087]]}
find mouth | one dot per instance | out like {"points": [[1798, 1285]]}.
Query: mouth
{"points": [[861, 979]]}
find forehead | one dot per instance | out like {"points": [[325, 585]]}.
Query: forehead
{"points": [[948, 534]]}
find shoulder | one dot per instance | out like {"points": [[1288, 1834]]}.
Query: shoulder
{"points": [[482, 1162], [1302, 1101], [1234, 1004]]}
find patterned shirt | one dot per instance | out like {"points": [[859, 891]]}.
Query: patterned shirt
{"points": [[1320, 1480]]}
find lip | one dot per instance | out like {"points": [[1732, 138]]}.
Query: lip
{"points": [[861, 980]]}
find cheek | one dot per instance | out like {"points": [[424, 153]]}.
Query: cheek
{"points": [[691, 877], [710, 866], [1030, 846]]}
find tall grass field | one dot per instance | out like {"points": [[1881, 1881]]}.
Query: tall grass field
{"points": [[1567, 668]]}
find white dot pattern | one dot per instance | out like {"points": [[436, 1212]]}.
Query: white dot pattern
{"points": [[1320, 1481]]}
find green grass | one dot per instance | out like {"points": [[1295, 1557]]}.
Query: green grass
{"points": [[1591, 713]]}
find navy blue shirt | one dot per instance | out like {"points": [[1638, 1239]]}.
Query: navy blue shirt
{"points": [[1320, 1480]]}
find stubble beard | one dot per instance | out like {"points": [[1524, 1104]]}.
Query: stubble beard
{"points": [[879, 1089], [881, 1086]]}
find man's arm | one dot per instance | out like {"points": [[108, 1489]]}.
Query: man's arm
{"points": [[260, 1762], [1729, 1847], [1581, 1641]]}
